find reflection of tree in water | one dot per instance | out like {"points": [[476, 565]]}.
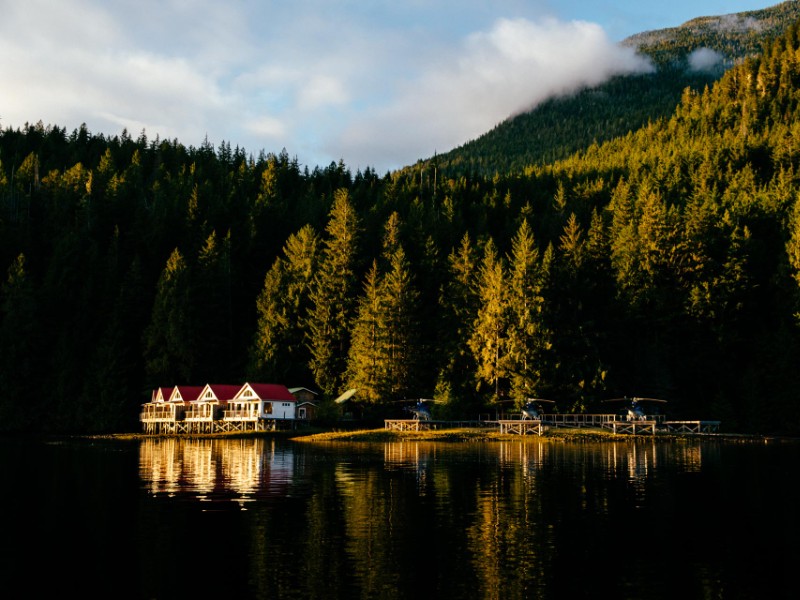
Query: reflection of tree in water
{"points": [[491, 520]]}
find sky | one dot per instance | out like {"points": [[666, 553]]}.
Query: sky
{"points": [[372, 83]]}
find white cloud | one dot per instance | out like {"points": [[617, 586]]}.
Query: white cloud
{"points": [[268, 127], [704, 59], [506, 70], [325, 81]]}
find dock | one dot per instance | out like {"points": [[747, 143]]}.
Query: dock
{"points": [[521, 427], [428, 425], [631, 427], [511, 426], [651, 425], [692, 426]]}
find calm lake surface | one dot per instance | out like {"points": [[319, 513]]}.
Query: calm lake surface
{"points": [[265, 518]]}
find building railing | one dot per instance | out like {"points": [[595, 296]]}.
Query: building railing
{"points": [[241, 414], [161, 412]]}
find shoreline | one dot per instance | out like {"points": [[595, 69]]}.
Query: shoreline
{"points": [[454, 435]]}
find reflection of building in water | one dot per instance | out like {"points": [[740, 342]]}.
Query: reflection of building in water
{"points": [[406, 453], [529, 454], [691, 457], [414, 456], [236, 469]]}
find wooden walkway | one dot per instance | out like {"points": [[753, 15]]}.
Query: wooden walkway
{"points": [[631, 427], [428, 425], [521, 427], [517, 426], [692, 426]]}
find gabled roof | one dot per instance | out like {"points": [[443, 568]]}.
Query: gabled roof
{"points": [[220, 392], [161, 394], [294, 390], [268, 391], [185, 393]]}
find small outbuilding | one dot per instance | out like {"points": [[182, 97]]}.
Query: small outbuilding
{"points": [[307, 404]]}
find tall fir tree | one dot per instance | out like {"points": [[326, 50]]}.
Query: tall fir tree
{"points": [[489, 339], [455, 386], [333, 296], [168, 349], [279, 351], [20, 349], [401, 326], [527, 336], [366, 365]]}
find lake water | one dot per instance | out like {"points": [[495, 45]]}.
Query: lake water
{"points": [[264, 518]]}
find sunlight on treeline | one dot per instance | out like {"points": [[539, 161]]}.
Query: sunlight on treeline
{"points": [[662, 263]]}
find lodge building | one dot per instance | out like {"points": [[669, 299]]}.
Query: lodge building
{"points": [[216, 408]]}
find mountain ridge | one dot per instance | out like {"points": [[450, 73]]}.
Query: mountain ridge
{"points": [[563, 125]]}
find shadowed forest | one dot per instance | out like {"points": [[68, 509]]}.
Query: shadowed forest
{"points": [[664, 262]]}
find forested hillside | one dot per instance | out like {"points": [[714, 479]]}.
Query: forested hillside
{"points": [[693, 55], [663, 263]]}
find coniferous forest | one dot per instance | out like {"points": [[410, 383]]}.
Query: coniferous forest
{"points": [[664, 262]]}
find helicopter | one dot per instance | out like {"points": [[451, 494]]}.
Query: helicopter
{"points": [[421, 410], [635, 410], [533, 408]]}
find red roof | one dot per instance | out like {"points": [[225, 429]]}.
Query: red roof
{"points": [[188, 392], [165, 392], [224, 392], [272, 391]]}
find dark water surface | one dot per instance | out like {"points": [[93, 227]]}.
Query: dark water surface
{"points": [[263, 518]]}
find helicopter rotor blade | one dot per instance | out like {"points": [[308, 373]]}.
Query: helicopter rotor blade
{"points": [[346, 396]]}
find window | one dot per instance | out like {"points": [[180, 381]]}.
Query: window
{"points": [[268, 408]]}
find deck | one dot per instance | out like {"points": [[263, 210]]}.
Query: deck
{"points": [[167, 427]]}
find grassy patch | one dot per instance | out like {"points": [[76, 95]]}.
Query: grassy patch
{"points": [[460, 435]]}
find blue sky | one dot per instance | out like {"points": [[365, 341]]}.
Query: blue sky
{"points": [[372, 82]]}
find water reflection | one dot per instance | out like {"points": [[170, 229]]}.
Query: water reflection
{"points": [[491, 520], [246, 469], [241, 470]]}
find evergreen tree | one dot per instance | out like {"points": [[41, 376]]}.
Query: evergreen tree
{"points": [[332, 296], [459, 310], [367, 364], [527, 338], [169, 352], [400, 309], [20, 350], [211, 311], [489, 339], [279, 351]]}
